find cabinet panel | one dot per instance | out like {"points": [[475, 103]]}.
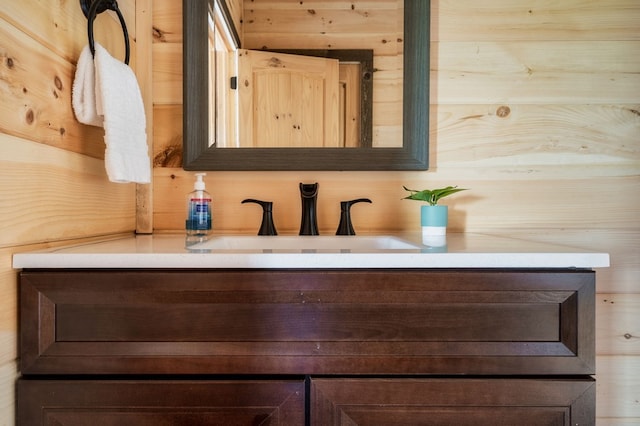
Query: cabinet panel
{"points": [[139, 403], [307, 322], [459, 402]]}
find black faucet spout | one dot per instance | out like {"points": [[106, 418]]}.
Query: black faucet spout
{"points": [[309, 198]]}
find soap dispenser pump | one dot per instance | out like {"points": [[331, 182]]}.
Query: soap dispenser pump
{"points": [[198, 223]]}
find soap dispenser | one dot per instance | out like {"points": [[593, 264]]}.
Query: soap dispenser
{"points": [[198, 223]]}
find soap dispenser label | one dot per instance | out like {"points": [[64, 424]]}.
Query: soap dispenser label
{"points": [[199, 214]]}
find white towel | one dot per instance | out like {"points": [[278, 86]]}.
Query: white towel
{"points": [[83, 94], [115, 103]]}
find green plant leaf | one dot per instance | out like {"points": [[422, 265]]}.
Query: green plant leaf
{"points": [[432, 196]]}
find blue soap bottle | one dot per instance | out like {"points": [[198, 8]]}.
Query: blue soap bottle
{"points": [[198, 223]]}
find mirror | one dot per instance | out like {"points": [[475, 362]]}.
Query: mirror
{"points": [[199, 153]]}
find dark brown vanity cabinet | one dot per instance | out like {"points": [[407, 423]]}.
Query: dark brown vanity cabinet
{"points": [[334, 347]]}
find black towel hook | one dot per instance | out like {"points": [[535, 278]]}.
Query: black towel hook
{"points": [[91, 8]]}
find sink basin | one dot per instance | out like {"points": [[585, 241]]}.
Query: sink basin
{"points": [[306, 244]]}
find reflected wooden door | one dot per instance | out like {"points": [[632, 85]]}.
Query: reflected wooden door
{"points": [[288, 100]]}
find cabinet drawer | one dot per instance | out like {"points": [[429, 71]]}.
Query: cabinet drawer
{"points": [[104, 402], [460, 402], [307, 322]]}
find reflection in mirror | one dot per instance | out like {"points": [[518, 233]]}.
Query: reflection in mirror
{"points": [[304, 98], [210, 122], [222, 104]]}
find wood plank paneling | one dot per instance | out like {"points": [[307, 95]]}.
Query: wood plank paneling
{"points": [[167, 22], [37, 105], [167, 73], [499, 140], [571, 199], [536, 72], [618, 324], [63, 30], [8, 375], [144, 71], [8, 309], [507, 20], [58, 195], [167, 144], [509, 136], [370, 18], [618, 388], [36, 96]]}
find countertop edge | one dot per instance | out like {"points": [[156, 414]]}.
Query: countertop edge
{"points": [[307, 261]]}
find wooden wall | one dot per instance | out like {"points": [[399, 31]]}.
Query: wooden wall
{"points": [[53, 187], [535, 107]]}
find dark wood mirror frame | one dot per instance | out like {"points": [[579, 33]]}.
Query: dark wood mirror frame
{"points": [[414, 154]]}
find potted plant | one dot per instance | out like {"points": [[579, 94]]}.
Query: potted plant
{"points": [[433, 217]]}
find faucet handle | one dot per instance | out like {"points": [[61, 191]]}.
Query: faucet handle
{"points": [[345, 227], [266, 227]]}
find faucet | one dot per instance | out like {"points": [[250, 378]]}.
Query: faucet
{"points": [[309, 197], [345, 227], [266, 227]]}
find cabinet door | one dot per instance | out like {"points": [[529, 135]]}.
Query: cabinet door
{"points": [[454, 402], [140, 403], [306, 322]]}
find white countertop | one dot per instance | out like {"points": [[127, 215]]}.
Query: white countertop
{"points": [[462, 250]]}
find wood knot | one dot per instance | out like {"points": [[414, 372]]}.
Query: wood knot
{"points": [[158, 34], [58, 82], [9, 63], [503, 111], [170, 156], [275, 63], [30, 117]]}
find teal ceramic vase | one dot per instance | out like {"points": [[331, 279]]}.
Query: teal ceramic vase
{"points": [[434, 221]]}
